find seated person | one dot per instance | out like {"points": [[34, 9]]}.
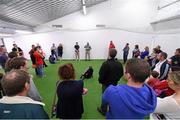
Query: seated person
{"points": [[69, 92], [170, 106], [134, 100], [52, 59], [145, 53], [15, 105], [22, 63], [162, 67], [153, 79], [161, 88]]}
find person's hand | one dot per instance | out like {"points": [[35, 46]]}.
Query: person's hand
{"points": [[85, 90]]}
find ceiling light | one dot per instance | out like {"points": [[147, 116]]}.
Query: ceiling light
{"points": [[84, 10], [5, 34], [23, 32], [84, 7]]}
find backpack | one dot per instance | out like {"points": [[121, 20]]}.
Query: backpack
{"points": [[88, 73]]}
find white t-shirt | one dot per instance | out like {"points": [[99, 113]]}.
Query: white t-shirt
{"points": [[168, 107], [158, 66]]}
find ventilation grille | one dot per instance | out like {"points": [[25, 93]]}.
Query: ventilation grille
{"points": [[57, 26], [100, 25]]}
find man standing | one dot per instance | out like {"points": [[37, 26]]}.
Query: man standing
{"points": [[33, 59], [16, 105], [125, 52], [111, 45], [162, 67], [134, 100], [39, 61], [53, 51], [87, 51], [76, 47], [109, 74]]}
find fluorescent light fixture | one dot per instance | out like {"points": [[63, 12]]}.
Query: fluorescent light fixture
{"points": [[5, 34], [22, 32], [84, 10], [84, 7]]}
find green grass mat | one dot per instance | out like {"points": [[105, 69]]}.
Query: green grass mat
{"points": [[92, 99]]}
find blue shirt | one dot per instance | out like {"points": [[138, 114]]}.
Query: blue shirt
{"points": [[126, 102]]}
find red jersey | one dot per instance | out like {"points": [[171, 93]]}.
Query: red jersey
{"points": [[38, 57], [111, 46]]}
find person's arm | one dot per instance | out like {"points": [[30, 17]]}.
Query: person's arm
{"points": [[102, 73]]}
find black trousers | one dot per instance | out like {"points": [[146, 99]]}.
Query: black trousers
{"points": [[125, 55]]}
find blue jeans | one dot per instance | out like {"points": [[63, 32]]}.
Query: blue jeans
{"points": [[40, 70]]}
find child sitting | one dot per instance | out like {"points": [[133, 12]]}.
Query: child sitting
{"points": [[161, 88]]}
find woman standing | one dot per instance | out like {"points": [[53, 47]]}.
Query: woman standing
{"points": [[69, 92], [136, 52]]}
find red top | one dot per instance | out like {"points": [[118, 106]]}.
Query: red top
{"points": [[39, 59], [111, 45], [160, 85]]}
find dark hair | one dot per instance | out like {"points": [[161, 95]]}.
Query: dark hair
{"points": [[155, 50], [113, 52], [14, 82], [178, 49], [36, 48], [137, 46], [138, 69], [66, 72], [155, 74], [17, 62], [164, 54], [12, 54]]}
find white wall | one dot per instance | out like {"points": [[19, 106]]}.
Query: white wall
{"points": [[98, 39]]}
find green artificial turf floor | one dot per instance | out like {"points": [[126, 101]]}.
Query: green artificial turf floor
{"points": [[92, 99]]}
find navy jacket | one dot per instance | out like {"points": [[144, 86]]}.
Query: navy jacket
{"points": [[70, 101], [164, 70]]}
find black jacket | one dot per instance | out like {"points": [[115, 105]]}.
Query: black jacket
{"points": [[164, 70], [110, 72], [70, 101], [175, 63]]}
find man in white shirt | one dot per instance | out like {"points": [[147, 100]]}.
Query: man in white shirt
{"points": [[162, 67]]}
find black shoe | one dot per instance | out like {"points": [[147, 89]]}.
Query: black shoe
{"points": [[100, 111]]}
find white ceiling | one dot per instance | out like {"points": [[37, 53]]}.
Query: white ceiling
{"points": [[32, 13]]}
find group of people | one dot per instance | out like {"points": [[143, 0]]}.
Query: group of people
{"points": [[54, 56], [157, 95], [142, 95]]}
